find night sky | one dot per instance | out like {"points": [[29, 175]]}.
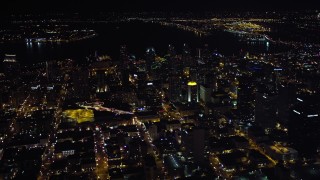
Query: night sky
{"points": [[91, 6]]}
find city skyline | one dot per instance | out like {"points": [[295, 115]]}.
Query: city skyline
{"points": [[181, 93], [36, 6]]}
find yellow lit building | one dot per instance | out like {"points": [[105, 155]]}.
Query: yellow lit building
{"points": [[79, 115], [193, 91]]}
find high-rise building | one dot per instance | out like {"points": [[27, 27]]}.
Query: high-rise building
{"points": [[150, 58], [11, 67], [193, 95], [174, 61], [148, 94], [174, 88], [124, 58], [266, 109], [125, 65], [205, 93], [211, 81], [287, 94], [80, 78], [152, 96], [98, 73], [246, 97], [187, 59], [205, 54], [194, 74], [52, 70]]}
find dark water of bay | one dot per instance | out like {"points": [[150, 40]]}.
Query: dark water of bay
{"points": [[137, 36]]}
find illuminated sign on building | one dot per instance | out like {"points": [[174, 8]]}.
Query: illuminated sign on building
{"points": [[192, 83]]}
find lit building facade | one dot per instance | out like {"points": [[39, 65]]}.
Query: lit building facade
{"points": [[193, 95]]}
